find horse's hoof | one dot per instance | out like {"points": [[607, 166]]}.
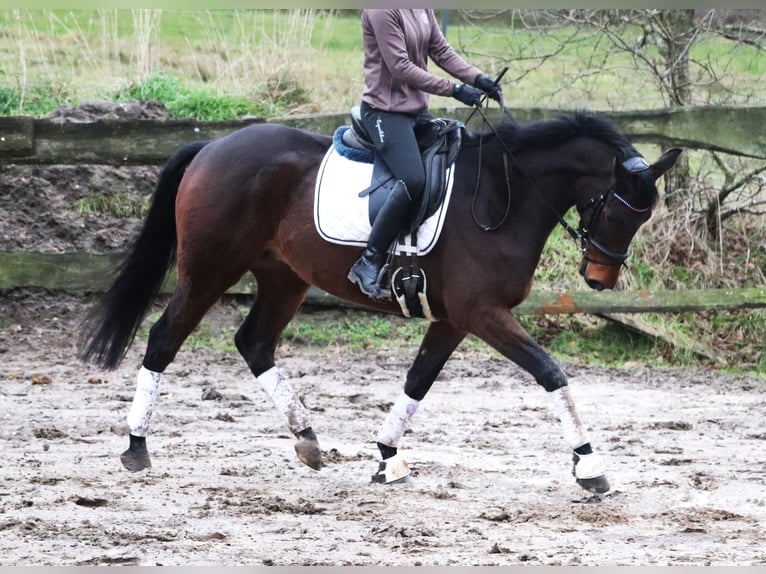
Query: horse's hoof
{"points": [[404, 480], [135, 461], [137, 456], [597, 485], [393, 470], [589, 472], [307, 449]]}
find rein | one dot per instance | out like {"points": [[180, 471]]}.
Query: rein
{"points": [[582, 236]]}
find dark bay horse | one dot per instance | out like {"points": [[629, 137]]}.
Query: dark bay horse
{"points": [[244, 203]]}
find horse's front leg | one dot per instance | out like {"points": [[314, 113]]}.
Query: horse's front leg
{"points": [[501, 330], [439, 342]]}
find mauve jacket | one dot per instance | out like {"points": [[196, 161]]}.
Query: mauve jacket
{"points": [[397, 45]]}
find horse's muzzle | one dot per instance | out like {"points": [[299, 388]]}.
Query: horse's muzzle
{"points": [[597, 275]]}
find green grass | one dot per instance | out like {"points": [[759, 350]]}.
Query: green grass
{"points": [[205, 336], [734, 339], [353, 329], [604, 344], [238, 54], [183, 101], [118, 204], [577, 339]]}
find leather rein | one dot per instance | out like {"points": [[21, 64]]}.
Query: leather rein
{"points": [[583, 234]]}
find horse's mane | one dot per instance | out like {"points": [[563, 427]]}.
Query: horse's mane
{"points": [[546, 133]]}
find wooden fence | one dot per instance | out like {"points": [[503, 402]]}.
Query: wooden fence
{"points": [[23, 140], [93, 273], [734, 130]]}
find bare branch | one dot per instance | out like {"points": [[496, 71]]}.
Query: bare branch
{"points": [[747, 178]]}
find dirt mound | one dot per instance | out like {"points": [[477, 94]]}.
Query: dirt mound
{"points": [[54, 209]]}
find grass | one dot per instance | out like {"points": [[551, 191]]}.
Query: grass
{"points": [[118, 204], [264, 62], [184, 101], [242, 54], [353, 329], [580, 339]]}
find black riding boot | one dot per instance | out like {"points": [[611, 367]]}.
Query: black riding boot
{"points": [[368, 271]]}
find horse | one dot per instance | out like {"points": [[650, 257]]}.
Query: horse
{"points": [[244, 203]]}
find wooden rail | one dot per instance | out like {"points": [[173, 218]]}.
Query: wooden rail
{"points": [[93, 273], [24, 140]]}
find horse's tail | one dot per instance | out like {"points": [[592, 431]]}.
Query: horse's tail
{"points": [[110, 327]]}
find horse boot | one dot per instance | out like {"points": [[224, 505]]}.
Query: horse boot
{"points": [[369, 269]]}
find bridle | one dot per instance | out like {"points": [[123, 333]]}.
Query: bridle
{"points": [[583, 235]]}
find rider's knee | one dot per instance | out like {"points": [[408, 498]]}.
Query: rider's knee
{"points": [[415, 180]]}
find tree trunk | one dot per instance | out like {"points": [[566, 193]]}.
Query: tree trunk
{"points": [[675, 30]]}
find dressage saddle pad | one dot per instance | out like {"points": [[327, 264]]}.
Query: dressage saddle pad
{"points": [[342, 217]]}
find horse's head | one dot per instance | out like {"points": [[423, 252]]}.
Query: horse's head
{"points": [[610, 218]]}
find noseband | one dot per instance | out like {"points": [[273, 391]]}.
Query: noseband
{"points": [[583, 236]]}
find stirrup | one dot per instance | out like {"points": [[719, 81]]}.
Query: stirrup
{"points": [[378, 293]]}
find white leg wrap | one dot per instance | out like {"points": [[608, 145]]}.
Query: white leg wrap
{"points": [[147, 390], [397, 420], [287, 402], [564, 408]]}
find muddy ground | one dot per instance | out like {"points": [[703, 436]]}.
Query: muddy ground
{"points": [[492, 484]]}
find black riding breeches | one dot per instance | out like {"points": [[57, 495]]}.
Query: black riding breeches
{"points": [[393, 134]]}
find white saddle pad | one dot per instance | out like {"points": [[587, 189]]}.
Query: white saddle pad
{"points": [[341, 216]]}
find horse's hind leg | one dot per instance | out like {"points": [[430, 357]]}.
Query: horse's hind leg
{"points": [[183, 313], [440, 340], [280, 294]]}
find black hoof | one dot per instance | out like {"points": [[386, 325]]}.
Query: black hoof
{"points": [[307, 449], [136, 458], [596, 485]]}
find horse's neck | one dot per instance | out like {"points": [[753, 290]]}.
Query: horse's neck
{"points": [[563, 175], [545, 200]]}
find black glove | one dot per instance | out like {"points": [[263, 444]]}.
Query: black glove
{"points": [[489, 87], [466, 94]]}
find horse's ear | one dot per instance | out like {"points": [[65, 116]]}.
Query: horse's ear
{"points": [[666, 161]]}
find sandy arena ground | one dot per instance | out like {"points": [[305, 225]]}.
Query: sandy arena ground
{"points": [[491, 474]]}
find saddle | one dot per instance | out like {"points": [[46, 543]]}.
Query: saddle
{"points": [[439, 141]]}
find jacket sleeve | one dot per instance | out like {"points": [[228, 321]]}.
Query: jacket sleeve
{"points": [[393, 50], [444, 55]]}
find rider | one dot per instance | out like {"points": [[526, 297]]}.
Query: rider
{"points": [[397, 45]]}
